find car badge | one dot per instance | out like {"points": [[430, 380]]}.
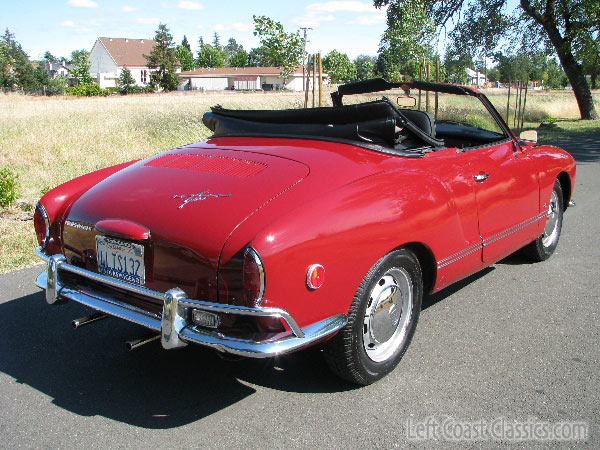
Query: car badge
{"points": [[204, 195]]}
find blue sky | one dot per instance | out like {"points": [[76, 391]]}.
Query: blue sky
{"points": [[350, 26]]}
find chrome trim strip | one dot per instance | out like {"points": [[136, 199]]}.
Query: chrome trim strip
{"points": [[47, 221], [496, 237], [261, 273], [479, 247], [174, 325], [490, 240], [472, 247]]}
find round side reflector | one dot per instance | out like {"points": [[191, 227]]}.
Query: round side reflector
{"points": [[315, 277]]}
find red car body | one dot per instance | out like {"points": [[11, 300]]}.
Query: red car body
{"points": [[297, 202]]}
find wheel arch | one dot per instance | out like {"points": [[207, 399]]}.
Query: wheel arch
{"points": [[426, 261], [565, 184]]}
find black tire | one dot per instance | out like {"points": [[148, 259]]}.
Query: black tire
{"points": [[542, 248], [391, 292]]}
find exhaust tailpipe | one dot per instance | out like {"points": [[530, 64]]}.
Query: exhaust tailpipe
{"points": [[135, 343], [86, 320]]}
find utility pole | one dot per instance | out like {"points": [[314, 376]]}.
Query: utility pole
{"points": [[304, 62]]}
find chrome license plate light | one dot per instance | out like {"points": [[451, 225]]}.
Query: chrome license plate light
{"points": [[205, 319]]}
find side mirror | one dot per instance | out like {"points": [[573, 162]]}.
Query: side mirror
{"points": [[530, 135]]}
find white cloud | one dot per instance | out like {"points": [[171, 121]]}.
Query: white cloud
{"points": [[127, 8], [336, 6], [188, 4], [67, 24], [367, 20], [311, 19], [236, 26], [147, 20], [82, 3]]}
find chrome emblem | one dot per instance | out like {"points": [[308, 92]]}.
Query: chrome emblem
{"points": [[197, 197], [80, 226]]}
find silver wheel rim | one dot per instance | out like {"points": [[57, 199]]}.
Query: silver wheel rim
{"points": [[388, 314], [551, 228]]}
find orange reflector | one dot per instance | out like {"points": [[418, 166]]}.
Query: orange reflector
{"points": [[315, 277]]}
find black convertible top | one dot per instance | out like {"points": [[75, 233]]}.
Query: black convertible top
{"points": [[370, 124]]}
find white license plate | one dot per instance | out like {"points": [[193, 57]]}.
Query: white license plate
{"points": [[120, 259]]}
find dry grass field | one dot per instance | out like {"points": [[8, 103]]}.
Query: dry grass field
{"points": [[47, 141]]}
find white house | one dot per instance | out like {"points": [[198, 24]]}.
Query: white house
{"points": [[58, 69], [476, 78], [239, 78], [109, 55]]}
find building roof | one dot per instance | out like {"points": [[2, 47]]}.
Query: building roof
{"points": [[235, 71], [128, 52]]}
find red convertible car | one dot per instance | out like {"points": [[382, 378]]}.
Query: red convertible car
{"points": [[292, 228]]}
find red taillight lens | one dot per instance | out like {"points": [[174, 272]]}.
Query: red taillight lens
{"points": [[253, 278], [42, 225], [315, 277]]}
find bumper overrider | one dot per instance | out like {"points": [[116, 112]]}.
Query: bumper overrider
{"points": [[174, 326]]}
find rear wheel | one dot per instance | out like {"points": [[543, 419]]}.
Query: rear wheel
{"points": [[381, 321], [543, 247]]}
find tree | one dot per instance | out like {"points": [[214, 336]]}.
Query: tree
{"points": [[406, 40], [365, 67], [278, 48], [185, 43], [209, 56], [50, 57], [126, 81], [239, 58], [564, 24], [163, 60], [7, 79], [216, 41], [80, 59], [338, 67], [185, 57]]}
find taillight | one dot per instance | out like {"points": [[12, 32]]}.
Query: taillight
{"points": [[41, 222], [253, 278]]}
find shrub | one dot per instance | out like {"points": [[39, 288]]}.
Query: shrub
{"points": [[8, 187], [88, 90]]}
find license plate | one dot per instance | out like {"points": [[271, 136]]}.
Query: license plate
{"points": [[120, 259]]}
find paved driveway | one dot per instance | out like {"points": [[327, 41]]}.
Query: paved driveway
{"points": [[519, 341]]}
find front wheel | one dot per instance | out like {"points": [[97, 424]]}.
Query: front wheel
{"points": [[381, 321], [543, 247]]}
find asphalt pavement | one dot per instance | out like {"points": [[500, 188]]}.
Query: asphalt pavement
{"points": [[517, 342]]}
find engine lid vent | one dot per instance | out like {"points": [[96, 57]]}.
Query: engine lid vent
{"points": [[224, 165]]}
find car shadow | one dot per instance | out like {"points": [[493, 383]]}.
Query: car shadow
{"points": [[431, 299], [89, 372]]}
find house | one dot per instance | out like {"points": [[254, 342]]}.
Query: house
{"points": [[58, 69], [476, 77], [110, 55], [239, 78]]}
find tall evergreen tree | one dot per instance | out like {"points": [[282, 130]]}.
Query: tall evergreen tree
{"points": [[163, 60], [126, 81], [185, 43]]}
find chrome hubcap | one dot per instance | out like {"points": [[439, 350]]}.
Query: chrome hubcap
{"points": [[387, 315], [551, 228]]}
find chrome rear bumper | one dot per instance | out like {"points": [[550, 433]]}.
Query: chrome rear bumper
{"points": [[174, 326]]}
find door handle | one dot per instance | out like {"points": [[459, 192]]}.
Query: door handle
{"points": [[481, 177]]}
